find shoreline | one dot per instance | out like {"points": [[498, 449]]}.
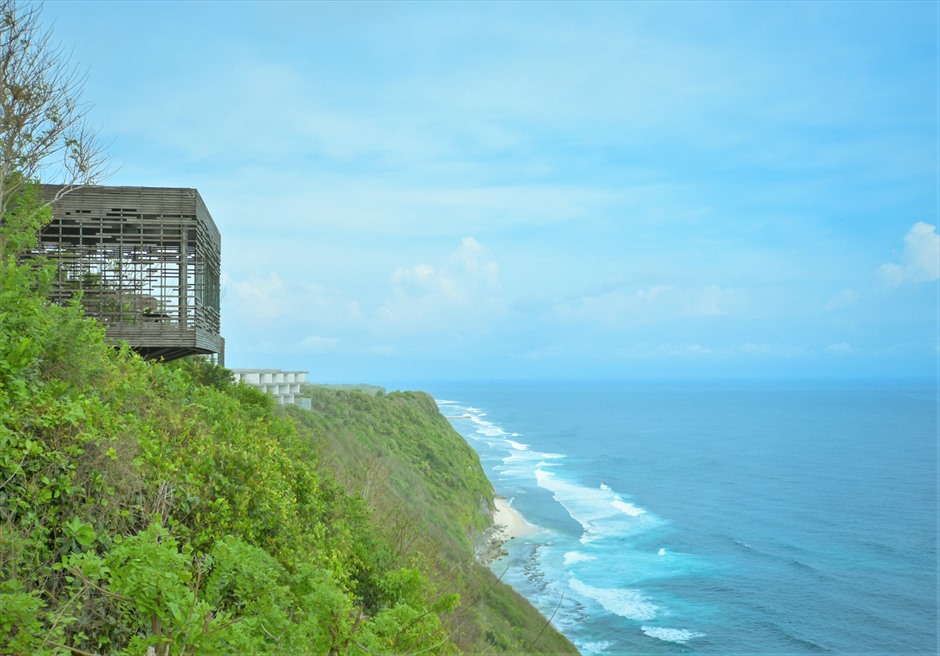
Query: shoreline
{"points": [[508, 524]]}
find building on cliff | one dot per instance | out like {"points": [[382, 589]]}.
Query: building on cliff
{"points": [[146, 261], [284, 386]]}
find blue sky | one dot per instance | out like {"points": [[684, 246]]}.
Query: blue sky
{"points": [[543, 190]]}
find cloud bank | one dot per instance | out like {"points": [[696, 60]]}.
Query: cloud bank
{"points": [[920, 260]]}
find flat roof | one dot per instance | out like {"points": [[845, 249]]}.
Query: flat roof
{"points": [[268, 371]]}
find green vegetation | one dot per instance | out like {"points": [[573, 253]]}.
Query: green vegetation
{"points": [[401, 444], [141, 508], [150, 508], [146, 505], [425, 486]]}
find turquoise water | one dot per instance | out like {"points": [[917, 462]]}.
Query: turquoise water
{"points": [[751, 518]]}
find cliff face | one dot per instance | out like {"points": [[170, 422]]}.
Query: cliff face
{"points": [[425, 487], [145, 505]]}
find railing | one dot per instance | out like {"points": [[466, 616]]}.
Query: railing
{"points": [[147, 262]]}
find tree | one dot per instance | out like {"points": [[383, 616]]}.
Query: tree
{"points": [[43, 120]]}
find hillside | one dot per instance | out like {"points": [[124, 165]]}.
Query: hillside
{"points": [[159, 506], [427, 488]]}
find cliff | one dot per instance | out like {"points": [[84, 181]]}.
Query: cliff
{"points": [[427, 490], [154, 506]]}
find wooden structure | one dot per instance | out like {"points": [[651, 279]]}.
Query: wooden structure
{"points": [[147, 261]]}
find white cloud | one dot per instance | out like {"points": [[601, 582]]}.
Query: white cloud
{"points": [[666, 349], [270, 298], [656, 304], [765, 350], [920, 260], [317, 344], [473, 259], [757, 349], [587, 147], [693, 349], [617, 308], [421, 278], [710, 302], [843, 299], [264, 298], [654, 291], [460, 295]]}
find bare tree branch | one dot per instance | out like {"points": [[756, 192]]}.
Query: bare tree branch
{"points": [[548, 621], [74, 650], [43, 120]]}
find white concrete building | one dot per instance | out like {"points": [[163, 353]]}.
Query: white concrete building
{"points": [[282, 385]]}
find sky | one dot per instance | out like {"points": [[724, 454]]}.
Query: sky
{"points": [[431, 191]]}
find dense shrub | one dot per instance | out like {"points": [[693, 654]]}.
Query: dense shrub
{"points": [[431, 500], [145, 505], [161, 507]]}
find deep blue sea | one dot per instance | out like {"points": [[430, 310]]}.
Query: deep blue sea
{"points": [[718, 518]]}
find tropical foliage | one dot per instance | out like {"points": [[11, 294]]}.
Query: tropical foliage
{"points": [[141, 508], [425, 487], [150, 506]]}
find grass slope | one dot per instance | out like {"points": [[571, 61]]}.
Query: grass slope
{"points": [[161, 508], [426, 487]]}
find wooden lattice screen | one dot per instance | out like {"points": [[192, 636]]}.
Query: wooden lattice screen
{"points": [[147, 262]]}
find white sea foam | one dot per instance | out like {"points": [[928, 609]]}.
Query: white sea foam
{"points": [[680, 636], [574, 557], [595, 648], [661, 552], [627, 508], [524, 457], [518, 446], [632, 604], [600, 511], [525, 462], [487, 428]]}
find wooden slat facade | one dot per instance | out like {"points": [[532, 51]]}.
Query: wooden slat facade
{"points": [[147, 261]]}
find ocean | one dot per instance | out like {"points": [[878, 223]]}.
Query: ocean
{"points": [[718, 518]]}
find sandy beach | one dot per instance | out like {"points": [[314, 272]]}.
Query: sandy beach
{"points": [[508, 524]]}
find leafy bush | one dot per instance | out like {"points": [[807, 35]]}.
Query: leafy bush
{"points": [[146, 505], [150, 506], [426, 490]]}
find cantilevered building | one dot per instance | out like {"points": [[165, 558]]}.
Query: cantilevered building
{"points": [[147, 262]]}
